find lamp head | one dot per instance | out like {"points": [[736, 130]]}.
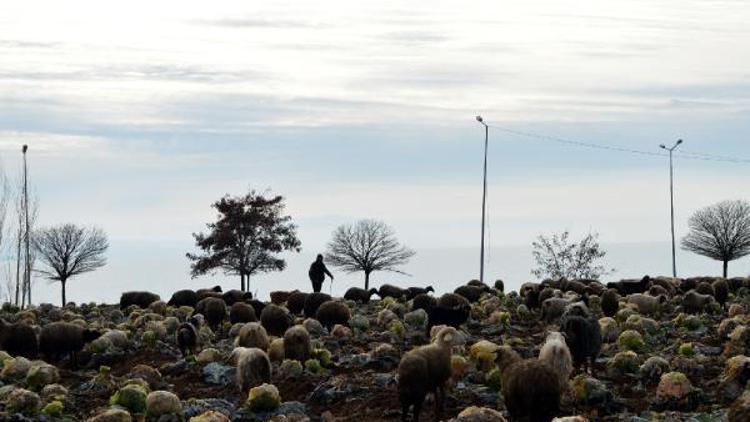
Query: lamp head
{"points": [[662, 146], [679, 141], [24, 149], [479, 119]]}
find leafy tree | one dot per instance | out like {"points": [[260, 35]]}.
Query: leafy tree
{"points": [[556, 257], [720, 231], [246, 237], [69, 250], [368, 246]]}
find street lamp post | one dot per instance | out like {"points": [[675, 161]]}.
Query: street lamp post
{"points": [[484, 196], [671, 200]]}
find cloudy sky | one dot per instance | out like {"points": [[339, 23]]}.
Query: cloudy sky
{"points": [[140, 114]]}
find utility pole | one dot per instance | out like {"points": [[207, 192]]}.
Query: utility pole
{"points": [[27, 235], [671, 201], [484, 196]]}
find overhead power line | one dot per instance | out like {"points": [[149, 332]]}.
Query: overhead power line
{"points": [[688, 155]]}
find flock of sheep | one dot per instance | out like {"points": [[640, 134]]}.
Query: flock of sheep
{"points": [[532, 388]]}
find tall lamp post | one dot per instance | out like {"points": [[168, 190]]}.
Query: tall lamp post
{"points": [[27, 258], [484, 196], [671, 200]]}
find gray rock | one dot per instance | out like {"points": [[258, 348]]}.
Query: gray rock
{"points": [[292, 410], [218, 374]]}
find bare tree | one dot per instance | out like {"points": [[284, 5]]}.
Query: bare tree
{"points": [[720, 231], [69, 250], [367, 246], [556, 257]]}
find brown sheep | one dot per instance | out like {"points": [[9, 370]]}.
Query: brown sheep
{"points": [[253, 367], [187, 336], [297, 344], [531, 388], [721, 291], [694, 302], [276, 319], [58, 338], [332, 312], [185, 297], [423, 301], [610, 302], [705, 288], [279, 297], [241, 312], [253, 334], [471, 293], [412, 292], [233, 296], [426, 370]]}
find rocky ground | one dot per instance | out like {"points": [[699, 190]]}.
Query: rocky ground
{"points": [[668, 366]]}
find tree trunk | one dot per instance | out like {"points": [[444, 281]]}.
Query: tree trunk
{"points": [[367, 280], [63, 292], [18, 268], [242, 282], [726, 264]]}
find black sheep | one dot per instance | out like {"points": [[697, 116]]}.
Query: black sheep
{"points": [[18, 339], [214, 310], [610, 302], [500, 285], [332, 312], [313, 302], [140, 299], [452, 300], [530, 294], [296, 302], [705, 288], [185, 297], [629, 287], [423, 301], [279, 297], [187, 336], [257, 305], [389, 290], [412, 292], [215, 289], [451, 309], [531, 390], [471, 293], [583, 337], [721, 291], [58, 338], [359, 295], [242, 312], [233, 296], [276, 320]]}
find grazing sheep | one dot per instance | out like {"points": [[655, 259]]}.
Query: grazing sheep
{"points": [[477, 283], [296, 302], [666, 284], [257, 305], [18, 339], [471, 293], [313, 301], [276, 319], [297, 344], [241, 312], [426, 369], [389, 290], [628, 287], [577, 308], [233, 296], [721, 291], [452, 300], [423, 301], [140, 299], [595, 288], [547, 293], [583, 337], [657, 290], [253, 334], [705, 288], [186, 336], [215, 289], [452, 317], [359, 295], [58, 338], [531, 388], [332, 312], [647, 305], [556, 354], [214, 310], [279, 297], [553, 308], [253, 367], [694, 302], [574, 286], [185, 297], [610, 302], [413, 292], [688, 284]]}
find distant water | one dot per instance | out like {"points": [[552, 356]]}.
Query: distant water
{"points": [[163, 268]]}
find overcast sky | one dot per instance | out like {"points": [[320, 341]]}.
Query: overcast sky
{"points": [[140, 114]]}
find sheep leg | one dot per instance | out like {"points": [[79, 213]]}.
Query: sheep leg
{"points": [[405, 411], [439, 397], [417, 410]]}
